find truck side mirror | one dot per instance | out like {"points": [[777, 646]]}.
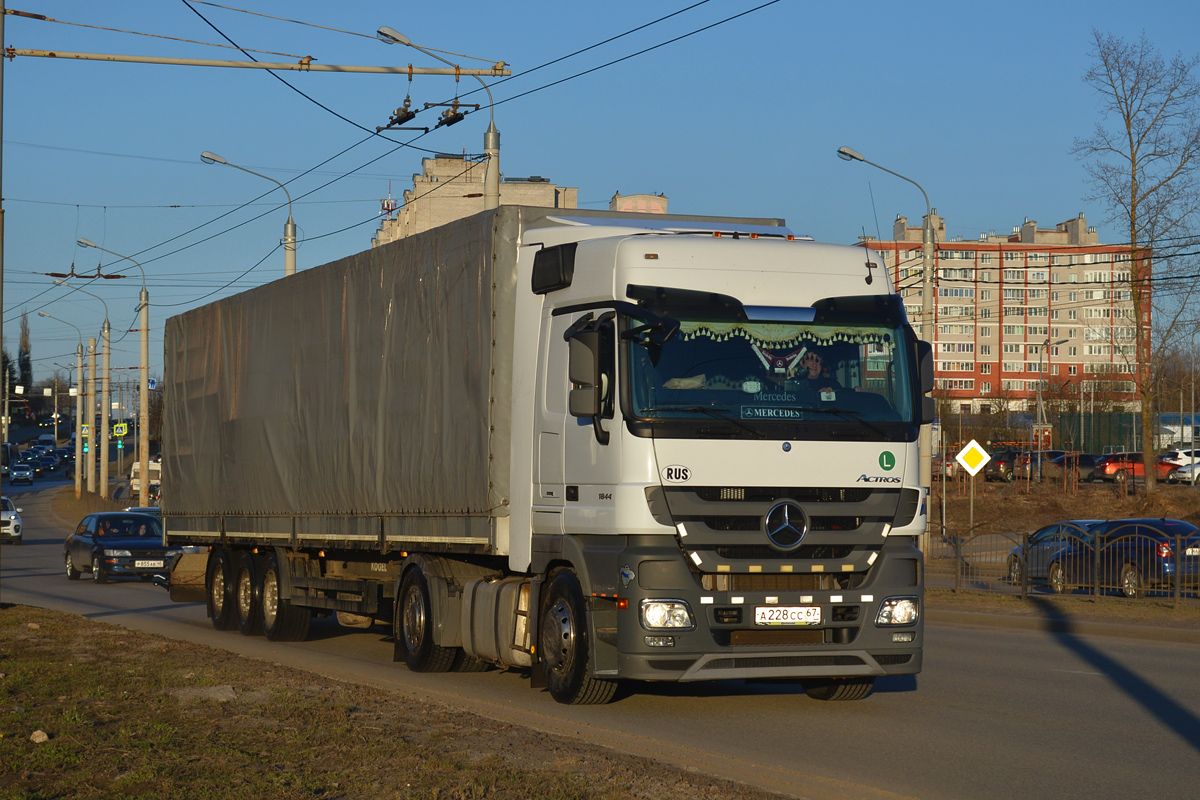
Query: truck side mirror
{"points": [[589, 384], [928, 407]]}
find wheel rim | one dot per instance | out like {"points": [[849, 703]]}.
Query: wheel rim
{"points": [[270, 600], [70, 569], [414, 618], [245, 593], [1057, 579], [1129, 581], [558, 637], [95, 566], [218, 590], [1014, 570]]}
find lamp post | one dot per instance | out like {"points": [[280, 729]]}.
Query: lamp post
{"points": [[1040, 413], [289, 227], [927, 329], [144, 365], [99, 437], [79, 392], [491, 137]]}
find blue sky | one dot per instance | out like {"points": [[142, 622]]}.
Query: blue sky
{"points": [[978, 102]]}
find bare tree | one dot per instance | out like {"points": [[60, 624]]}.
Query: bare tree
{"points": [[1143, 161]]}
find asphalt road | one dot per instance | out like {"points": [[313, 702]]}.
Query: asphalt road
{"points": [[996, 713]]}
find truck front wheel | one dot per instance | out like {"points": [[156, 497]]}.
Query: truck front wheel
{"points": [[413, 627], [839, 688], [282, 621], [563, 640]]}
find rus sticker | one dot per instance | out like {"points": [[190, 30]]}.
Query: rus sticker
{"points": [[676, 474]]}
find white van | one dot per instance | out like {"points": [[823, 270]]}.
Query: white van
{"points": [[47, 438], [135, 484]]}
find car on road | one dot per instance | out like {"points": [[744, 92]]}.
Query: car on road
{"points": [[1046, 546], [20, 472], [34, 465], [10, 521], [1134, 556], [116, 544]]}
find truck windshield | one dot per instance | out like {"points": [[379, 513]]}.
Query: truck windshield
{"points": [[763, 374]]}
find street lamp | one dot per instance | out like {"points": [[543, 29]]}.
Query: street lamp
{"points": [[289, 227], [491, 137], [927, 329], [99, 437], [144, 373], [1040, 413]]}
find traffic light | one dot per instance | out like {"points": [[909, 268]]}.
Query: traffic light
{"points": [[85, 447]]}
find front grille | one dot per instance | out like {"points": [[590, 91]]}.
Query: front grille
{"points": [[769, 494], [769, 638], [746, 523], [892, 660], [757, 552], [780, 582], [764, 662]]}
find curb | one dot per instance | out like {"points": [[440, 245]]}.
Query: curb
{"points": [[1060, 625]]}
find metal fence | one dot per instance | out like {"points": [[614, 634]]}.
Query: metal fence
{"points": [[1129, 561]]}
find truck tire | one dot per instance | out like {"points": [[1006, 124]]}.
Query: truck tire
{"points": [[839, 688], [248, 594], [564, 645], [282, 621], [466, 663], [219, 586], [413, 627]]}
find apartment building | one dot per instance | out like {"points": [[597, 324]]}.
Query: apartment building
{"points": [[450, 187], [1012, 312]]}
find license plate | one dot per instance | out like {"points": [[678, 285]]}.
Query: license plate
{"points": [[787, 615], [1192, 551], [147, 564]]}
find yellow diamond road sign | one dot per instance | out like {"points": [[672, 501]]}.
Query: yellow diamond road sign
{"points": [[973, 457]]}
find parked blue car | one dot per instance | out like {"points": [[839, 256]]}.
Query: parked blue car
{"points": [[1134, 556], [1046, 546]]}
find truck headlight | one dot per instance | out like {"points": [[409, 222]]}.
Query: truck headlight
{"points": [[117, 553], [661, 614], [898, 611]]}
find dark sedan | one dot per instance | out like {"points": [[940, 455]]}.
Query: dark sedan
{"points": [[1134, 556], [1083, 462], [117, 544], [1046, 547]]}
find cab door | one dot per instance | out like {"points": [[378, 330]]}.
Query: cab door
{"points": [[592, 446]]}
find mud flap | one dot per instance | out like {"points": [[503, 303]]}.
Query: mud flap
{"points": [[188, 573]]}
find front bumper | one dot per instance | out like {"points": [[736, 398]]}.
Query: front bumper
{"points": [[725, 642]]}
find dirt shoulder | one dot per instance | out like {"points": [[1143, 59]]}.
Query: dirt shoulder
{"points": [[135, 715]]}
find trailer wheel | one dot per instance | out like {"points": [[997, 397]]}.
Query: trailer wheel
{"points": [[413, 627], [563, 640], [282, 621], [219, 584], [839, 688], [248, 594]]}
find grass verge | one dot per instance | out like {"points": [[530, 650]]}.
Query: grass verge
{"points": [[134, 715]]}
